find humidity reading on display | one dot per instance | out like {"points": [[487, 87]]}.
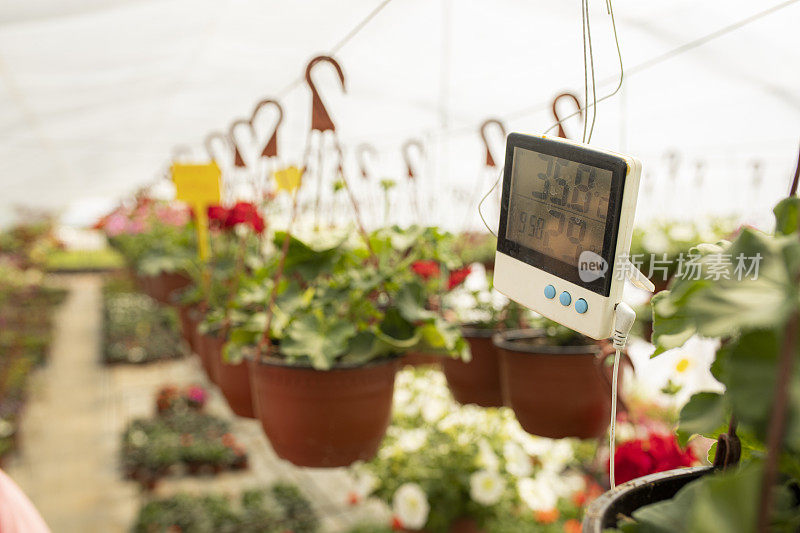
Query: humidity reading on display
{"points": [[557, 207]]}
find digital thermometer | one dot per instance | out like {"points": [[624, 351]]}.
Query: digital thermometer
{"points": [[566, 222]]}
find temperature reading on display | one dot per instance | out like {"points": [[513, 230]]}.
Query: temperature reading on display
{"points": [[557, 207]]}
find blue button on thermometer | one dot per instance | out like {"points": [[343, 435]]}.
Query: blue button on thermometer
{"points": [[581, 306], [549, 292], [565, 298]]}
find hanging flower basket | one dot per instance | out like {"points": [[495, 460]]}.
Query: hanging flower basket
{"points": [[555, 391], [476, 381], [161, 286], [189, 318], [232, 379], [205, 351], [327, 418], [628, 497]]}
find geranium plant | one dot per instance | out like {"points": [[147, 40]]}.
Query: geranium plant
{"points": [[747, 293]]}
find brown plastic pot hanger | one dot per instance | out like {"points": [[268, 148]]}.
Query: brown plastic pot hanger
{"points": [[406, 149], [238, 160], [569, 96], [361, 151], [208, 143], [486, 123], [320, 119], [271, 148]]}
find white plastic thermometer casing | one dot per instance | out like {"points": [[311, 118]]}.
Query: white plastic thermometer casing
{"points": [[540, 275]]}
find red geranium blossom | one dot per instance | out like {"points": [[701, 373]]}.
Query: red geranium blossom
{"points": [[217, 215], [457, 277], [245, 213], [426, 269], [657, 453]]}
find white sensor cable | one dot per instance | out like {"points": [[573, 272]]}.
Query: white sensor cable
{"points": [[624, 317]]}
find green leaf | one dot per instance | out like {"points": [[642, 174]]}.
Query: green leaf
{"points": [[395, 326], [411, 303], [319, 339], [705, 413], [787, 216]]}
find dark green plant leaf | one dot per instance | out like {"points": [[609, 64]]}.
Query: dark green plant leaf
{"points": [[706, 414]]}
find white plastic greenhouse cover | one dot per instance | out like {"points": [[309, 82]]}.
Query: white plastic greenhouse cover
{"points": [[94, 94]]}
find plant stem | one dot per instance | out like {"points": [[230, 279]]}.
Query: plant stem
{"points": [[777, 422], [266, 342]]}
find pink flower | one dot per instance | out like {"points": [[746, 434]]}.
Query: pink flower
{"points": [[116, 224]]}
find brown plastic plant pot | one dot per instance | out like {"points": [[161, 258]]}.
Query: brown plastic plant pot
{"points": [[555, 391], [162, 286], [188, 325], [605, 511], [477, 381], [232, 380], [205, 349], [421, 359], [317, 418]]}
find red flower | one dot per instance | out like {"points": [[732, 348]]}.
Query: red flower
{"points": [[397, 525], [657, 453], [426, 269], [353, 498], [245, 213], [217, 215], [572, 526], [457, 277], [546, 517]]}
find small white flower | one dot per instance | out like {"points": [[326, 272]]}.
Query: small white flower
{"points": [[365, 483], [138, 438], [682, 232], [486, 456], [558, 455], [536, 494], [434, 410], [412, 440], [486, 487], [410, 506], [518, 463]]}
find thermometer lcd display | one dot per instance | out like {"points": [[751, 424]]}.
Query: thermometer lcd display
{"points": [[557, 207], [561, 207]]}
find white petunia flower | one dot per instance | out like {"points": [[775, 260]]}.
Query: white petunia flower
{"points": [[518, 463], [486, 456], [410, 506], [412, 440], [558, 456], [434, 410], [486, 487], [536, 494]]}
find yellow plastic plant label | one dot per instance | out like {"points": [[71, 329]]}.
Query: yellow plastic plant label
{"points": [[288, 179], [198, 186]]}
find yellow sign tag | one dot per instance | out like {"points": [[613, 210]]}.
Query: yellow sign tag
{"points": [[288, 179], [198, 186]]}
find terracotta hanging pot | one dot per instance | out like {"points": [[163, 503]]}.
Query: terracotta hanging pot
{"points": [[321, 418], [421, 359], [205, 351], [604, 512], [162, 286], [188, 316], [555, 391], [232, 380], [477, 381]]}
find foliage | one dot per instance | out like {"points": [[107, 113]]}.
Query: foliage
{"points": [[275, 509], [470, 462], [173, 399], [27, 304], [657, 247], [150, 447], [83, 260], [341, 301], [136, 329], [749, 314], [153, 236]]}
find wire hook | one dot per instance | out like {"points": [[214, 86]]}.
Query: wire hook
{"points": [[271, 148], [570, 96], [362, 150], [320, 119], [407, 155], [486, 123], [238, 160]]}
